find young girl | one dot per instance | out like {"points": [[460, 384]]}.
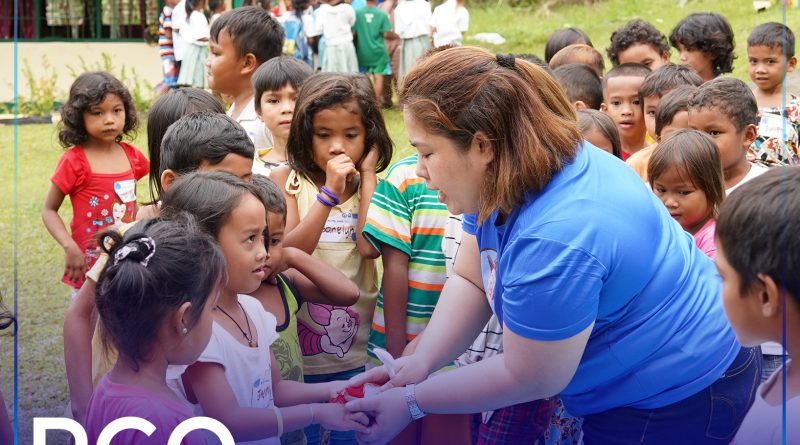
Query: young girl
{"points": [[600, 131], [195, 33], [412, 20], [337, 143], [236, 379], [685, 172], [335, 23], [276, 83], [155, 301], [294, 277], [98, 174], [704, 41]]}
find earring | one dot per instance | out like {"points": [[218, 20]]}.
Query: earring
{"points": [[184, 331]]}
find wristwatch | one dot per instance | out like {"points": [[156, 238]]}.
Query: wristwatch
{"points": [[411, 401]]}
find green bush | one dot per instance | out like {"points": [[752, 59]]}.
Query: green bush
{"points": [[140, 90], [42, 90]]}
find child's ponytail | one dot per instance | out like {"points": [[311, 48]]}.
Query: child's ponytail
{"points": [[153, 269]]}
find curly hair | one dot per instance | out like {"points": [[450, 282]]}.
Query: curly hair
{"points": [[88, 90], [635, 32], [707, 32], [324, 91]]}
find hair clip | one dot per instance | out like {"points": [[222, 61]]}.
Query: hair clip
{"points": [[506, 61], [145, 242]]}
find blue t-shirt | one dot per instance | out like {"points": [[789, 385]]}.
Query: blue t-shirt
{"points": [[597, 246]]}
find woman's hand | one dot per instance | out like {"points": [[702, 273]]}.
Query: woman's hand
{"points": [[389, 414], [334, 416], [408, 369], [369, 162], [338, 172], [74, 262]]}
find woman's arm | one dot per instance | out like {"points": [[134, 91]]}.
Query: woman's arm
{"points": [[75, 262], [317, 281], [395, 298], [78, 330]]}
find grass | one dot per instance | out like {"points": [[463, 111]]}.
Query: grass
{"points": [[43, 300]]}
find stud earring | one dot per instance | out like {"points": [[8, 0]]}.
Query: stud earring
{"points": [[184, 331]]}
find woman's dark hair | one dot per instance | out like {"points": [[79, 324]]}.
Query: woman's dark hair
{"points": [[271, 194], [563, 38], [696, 157], [276, 73], [710, 33], [671, 104], [201, 137], [208, 196], [88, 90], [157, 266], [594, 119], [165, 111], [635, 32], [330, 90], [757, 230], [520, 108]]}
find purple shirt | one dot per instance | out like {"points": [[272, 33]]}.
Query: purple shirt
{"points": [[112, 401]]}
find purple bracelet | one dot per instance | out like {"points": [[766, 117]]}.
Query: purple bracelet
{"points": [[330, 194], [324, 201]]}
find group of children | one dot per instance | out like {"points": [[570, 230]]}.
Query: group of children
{"points": [[248, 291]]}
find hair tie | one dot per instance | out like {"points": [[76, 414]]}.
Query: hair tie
{"points": [[506, 61], [145, 245]]}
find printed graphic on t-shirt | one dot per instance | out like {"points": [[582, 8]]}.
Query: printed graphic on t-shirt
{"points": [[261, 396], [340, 228], [335, 331], [489, 273], [774, 126]]}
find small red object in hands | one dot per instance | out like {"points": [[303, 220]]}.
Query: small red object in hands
{"points": [[356, 392]]}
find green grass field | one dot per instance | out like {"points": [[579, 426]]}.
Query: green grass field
{"points": [[43, 300]]}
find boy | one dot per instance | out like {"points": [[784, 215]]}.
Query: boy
{"points": [[581, 85], [758, 257], [241, 40], [372, 26], [639, 42], [657, 84], [726, 109], [672, 114], [622, 103], [199, 141], [770, 55]]}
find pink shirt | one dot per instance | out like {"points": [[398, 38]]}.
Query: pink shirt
{"points": [[111, 401], [704, 239]]}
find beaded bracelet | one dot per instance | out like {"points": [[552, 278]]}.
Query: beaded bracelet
{"points": [[324, 201], [330, 194]]}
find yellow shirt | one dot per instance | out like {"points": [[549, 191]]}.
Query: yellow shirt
{"points": [[334, 339]]}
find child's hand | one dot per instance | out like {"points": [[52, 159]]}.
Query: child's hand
{"points": [[369, 161], [74, 262], [334, 416], [338, 172]]}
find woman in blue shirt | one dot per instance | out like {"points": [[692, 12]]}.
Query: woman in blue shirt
{"points": [[604, 298]]}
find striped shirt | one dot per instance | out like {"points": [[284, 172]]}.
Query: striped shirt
{"points": [[405, 215], [165, 48]]}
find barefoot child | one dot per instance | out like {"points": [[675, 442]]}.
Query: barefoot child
{"points": [[759, 261], [98, 173]]}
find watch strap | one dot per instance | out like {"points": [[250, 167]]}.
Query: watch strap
{"points": [[411, 401]]}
